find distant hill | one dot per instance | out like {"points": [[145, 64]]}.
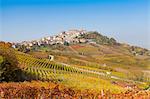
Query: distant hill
{"points": [[73, 37]]}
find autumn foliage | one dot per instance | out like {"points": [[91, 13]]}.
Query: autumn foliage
{"points": [[47, 90], [9, 69]]}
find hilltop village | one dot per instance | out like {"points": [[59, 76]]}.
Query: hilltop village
{"points": [[65, 37]]}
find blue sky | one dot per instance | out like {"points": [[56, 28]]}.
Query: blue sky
{"points": [[126, 20]]}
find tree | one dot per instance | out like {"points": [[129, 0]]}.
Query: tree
{"points": [[9, 70], [23, 48], [66, 43], [112, 41]]}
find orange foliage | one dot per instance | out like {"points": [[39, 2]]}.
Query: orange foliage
{"points": [[49, 90], [5, 44]]}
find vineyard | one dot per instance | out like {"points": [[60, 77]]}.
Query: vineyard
{"points": [[49, 70], [43, 68], [52, 79]]}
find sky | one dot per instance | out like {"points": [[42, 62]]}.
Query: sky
{"points": [[128, 21]]}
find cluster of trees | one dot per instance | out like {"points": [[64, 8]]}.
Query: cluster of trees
{"points": [[139, 51], [22, 48], [9, 70], [98, 38]]}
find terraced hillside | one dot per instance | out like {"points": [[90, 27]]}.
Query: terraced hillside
{"points": [[71, 75]]}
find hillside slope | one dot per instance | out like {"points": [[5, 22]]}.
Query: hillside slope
{"points": [[100, 53]]}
